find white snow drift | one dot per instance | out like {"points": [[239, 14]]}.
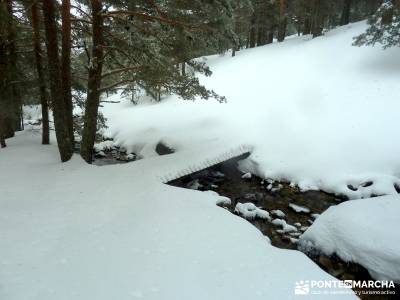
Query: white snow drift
{"points": [[363, 231], [74, 231]]}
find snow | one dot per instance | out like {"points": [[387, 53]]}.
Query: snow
{"points": [[314, 216], [318, 113], [246, 175], [299, 209], [249, 211], [32, 117], [130, 156], [278, 213], [285, 227], [362, 231], [105, 145], [75, 231], [220, 200], [194, 185]]}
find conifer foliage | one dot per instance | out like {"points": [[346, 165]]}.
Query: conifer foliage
{"points": [[384, 26]]}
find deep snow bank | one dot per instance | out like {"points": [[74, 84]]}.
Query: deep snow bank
{"points": [[363, 231], [319, 113], [74, 231]]}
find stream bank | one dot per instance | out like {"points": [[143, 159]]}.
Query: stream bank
{"points": [[291, 212]]}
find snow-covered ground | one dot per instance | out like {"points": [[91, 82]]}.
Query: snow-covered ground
{"points": [[320, 113], [75, 231], [363, 231]]}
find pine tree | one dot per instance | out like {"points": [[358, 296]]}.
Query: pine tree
{"points": [[384, 26], [64, 141], [13, 71], [10, 101], [345, 16], [94, 82], [66, 68], [282, 20], [242, 12], [34, 21]]}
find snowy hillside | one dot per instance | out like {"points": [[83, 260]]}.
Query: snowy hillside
{"points": [[320, 113]]}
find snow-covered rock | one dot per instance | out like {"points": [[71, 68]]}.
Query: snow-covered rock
{"points": [[130, 156], [219, 200], [250, 211], [285, 227], [362, 231], [246, 175], [194, 185], [100, 154], [299, 208], [217, 174], [314, 216], [278, 213], [104, 146]]}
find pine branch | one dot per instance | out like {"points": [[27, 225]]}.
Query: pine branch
{"points": [[111, 86], [113, 72]]}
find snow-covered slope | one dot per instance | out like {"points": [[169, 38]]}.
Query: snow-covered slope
{"points": [[74, 231], [362, 231], [319, 113]]}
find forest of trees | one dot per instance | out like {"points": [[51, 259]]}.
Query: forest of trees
{"points": [[67, 54]]}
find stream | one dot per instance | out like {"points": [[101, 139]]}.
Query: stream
{"points": [[298, 209]]}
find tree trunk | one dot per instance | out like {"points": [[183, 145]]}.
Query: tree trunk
{"points": [[6, 103], [270, 37], [40, 72], [282, 21], [345, 17], [2, 140], [16, 103], [387, 16], [2, 134], [252, 37], [316, 28], [66, 66], [94, 82], [183, 68], [307, 26], [262, 35], [3, 80], [62, 130]]}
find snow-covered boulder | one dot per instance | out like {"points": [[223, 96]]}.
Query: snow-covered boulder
{"points": [[250, 211], [364, 231], [219, 200], [285, 226], [278, 213], [246, 175], [104, 146], [299, 209]]}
